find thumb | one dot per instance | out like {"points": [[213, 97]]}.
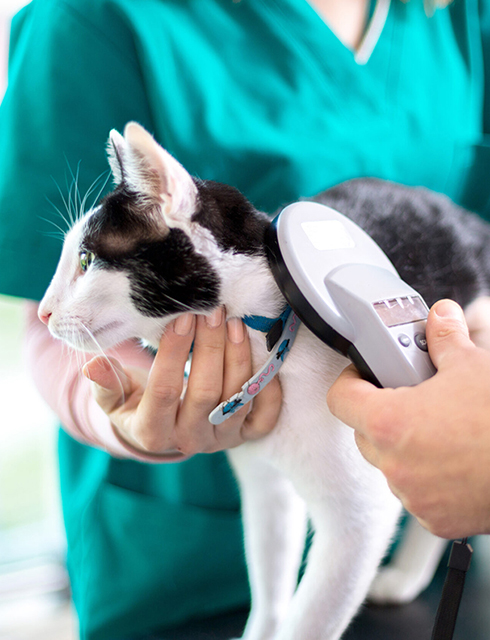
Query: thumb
{"points": [[111, 383], [447, 332]]}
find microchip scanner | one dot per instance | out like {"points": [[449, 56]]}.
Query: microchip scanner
{"points": [[347, 292]]}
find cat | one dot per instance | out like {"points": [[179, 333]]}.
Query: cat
{"points": [[163, 243]]}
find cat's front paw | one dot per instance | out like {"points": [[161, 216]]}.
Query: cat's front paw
{"points": [[394, 586]]}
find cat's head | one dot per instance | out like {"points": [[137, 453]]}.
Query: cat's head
{"points": [[159, 245]]}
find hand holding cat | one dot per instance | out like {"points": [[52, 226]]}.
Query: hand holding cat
{"points": [[151, 413], [432, 441]]}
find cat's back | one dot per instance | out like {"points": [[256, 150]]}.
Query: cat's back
{"points": [[439, 248]]}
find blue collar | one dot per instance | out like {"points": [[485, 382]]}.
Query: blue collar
{"points": [[264, 324], [273, 327], [280, 337]]}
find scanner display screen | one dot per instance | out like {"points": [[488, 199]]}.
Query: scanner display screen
{"points": [[397, 311]]}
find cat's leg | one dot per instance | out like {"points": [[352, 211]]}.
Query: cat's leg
{"points": [[274, 520], [412, 568], [347, 547]]}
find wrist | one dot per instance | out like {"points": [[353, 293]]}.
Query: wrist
{"points": [[136, 452]]}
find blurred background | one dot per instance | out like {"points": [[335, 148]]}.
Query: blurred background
{"points": [[34, 592]]}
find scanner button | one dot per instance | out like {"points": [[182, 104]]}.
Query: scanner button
{"points": [[421, 341], [404, 340]]}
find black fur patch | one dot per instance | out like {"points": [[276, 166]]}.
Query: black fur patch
{"points": [[165, 273], [234, 222], [168, 276], [437, 247]]}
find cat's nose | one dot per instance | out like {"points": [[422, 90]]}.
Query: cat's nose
{"points": [[44, 316]]}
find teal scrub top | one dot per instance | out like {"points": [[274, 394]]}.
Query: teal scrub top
{"points": [[262, 95]]}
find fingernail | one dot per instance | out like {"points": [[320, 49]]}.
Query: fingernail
{"points": [[103, 366], [183, 324], [215, 319], [86, 372], [235, 330], [448, 309]]}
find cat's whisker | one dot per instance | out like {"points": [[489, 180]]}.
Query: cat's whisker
{"points": [[72, 192], [102, 352], [65, 360], [74, 203], [60, 229], [53, 234], [74, 195], [76, 351], [62, 216], [184, 307], [71, 223], [92, 187]]}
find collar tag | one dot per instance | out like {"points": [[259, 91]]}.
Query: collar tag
{"points": [[252, 387]]}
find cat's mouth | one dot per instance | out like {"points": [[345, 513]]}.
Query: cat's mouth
{"points": [[107, 327], [84, 338], [102, 337]]}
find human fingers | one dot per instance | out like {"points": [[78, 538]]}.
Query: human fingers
{"points": [[258, 418], [264, 414], [447, 332], [375, 414], [368, 450], [348, 396], [237, 370], [111, 385], [154, 424], [204, 386]]}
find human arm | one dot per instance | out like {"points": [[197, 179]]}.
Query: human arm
{"points": [[136, 411], [432, 441], [56, 373]]}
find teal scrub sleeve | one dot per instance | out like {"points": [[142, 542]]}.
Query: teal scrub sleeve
{"points": [[475, 192], [68, 86]]}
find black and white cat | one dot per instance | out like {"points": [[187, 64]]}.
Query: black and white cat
{"points": [[163, 243]]}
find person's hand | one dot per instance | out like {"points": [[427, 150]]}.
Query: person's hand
{"points": [[150, 411], [432, 441]]}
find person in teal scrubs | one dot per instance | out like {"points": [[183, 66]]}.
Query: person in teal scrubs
{"points": [[263, 95]]}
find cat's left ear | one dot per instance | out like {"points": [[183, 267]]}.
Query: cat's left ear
{"points": [[151, 171], [115, 152]]}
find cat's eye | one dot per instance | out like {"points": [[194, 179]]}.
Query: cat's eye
{"points": [[86, 259]]}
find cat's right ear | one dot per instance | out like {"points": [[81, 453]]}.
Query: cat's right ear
{"points": [[149, 170], [116, 148]]}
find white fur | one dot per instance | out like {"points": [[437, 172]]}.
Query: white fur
{"points": [[310, 459], [411, 569], [309, 464], [93, 309]]}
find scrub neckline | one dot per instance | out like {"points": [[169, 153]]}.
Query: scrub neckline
{"points": [[312, 26], [374, 28], [377, 15]]}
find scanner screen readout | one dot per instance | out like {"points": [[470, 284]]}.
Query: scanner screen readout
{"points": [[397, 311]]}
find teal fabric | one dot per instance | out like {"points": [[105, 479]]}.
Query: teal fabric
{"points": [[260, 94], [149, 546]]}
